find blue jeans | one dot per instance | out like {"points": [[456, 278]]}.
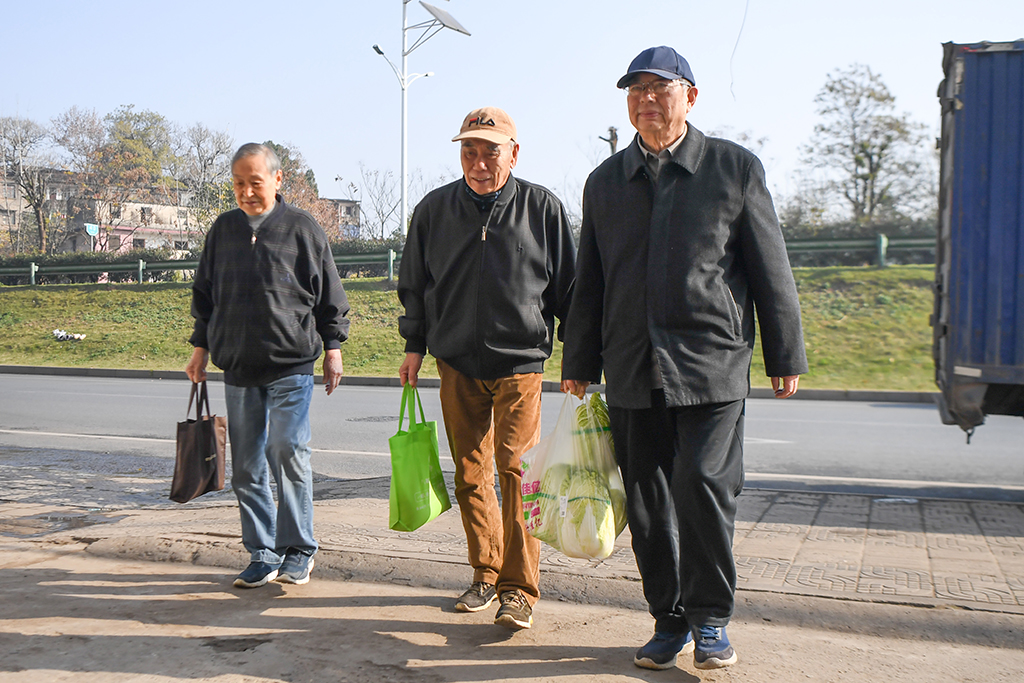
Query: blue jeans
{"points": [[269, 430]]}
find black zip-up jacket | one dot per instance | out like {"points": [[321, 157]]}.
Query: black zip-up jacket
{"points": [[678, 266], [481, 289], [263, 302]]}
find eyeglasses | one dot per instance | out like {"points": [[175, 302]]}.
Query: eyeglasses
{"points": [[658, 88]]}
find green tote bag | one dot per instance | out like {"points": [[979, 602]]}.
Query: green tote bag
{"points": [[418, 492]]}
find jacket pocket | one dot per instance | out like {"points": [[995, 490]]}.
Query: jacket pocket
{"points": [[734, 313]]}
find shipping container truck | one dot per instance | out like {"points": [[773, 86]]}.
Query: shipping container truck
{"points": [[978, 320]]}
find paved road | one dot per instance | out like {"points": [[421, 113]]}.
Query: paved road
{"points": [[902, 449]]}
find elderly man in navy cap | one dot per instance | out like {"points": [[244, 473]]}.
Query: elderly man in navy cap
{"points": [[679, 245]]}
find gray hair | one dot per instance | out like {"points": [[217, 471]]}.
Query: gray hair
{"points": [[252, 149]]}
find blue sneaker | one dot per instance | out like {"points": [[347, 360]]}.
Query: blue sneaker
{"points": [[256, 574], [661, 650], [295, 568], [712, 650]]}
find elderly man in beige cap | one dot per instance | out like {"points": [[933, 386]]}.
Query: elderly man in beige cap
{"points": [[488, 265]]}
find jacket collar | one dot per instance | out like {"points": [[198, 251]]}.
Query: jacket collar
{"points": [[505, 194], [274, 212], [688, 154]]}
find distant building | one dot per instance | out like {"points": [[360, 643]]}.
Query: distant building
{"points": [[342, 221], [149, 218]]}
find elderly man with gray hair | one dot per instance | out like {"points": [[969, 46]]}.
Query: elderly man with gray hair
{"points": [[487, 267], [267, 300], [680, 245]]}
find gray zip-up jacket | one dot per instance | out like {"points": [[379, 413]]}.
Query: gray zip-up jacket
{"points": [[481, 289], [679, 267]]}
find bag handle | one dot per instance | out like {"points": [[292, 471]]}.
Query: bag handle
{"points": [[204, 399], [411, 396]]}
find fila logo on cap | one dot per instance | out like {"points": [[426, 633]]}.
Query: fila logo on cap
{"points": [[487, 123]]}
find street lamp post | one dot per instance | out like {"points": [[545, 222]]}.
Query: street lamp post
{"points": [[439, 20]]}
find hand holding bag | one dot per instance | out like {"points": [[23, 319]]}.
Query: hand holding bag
{"points": [[418, 492], [199, 464]]}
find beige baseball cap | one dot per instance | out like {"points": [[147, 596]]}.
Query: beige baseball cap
{"points": [[487, 123]]}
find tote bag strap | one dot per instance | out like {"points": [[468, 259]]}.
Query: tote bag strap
{"points": [[204, 400], [410, 397], [191, 398]]}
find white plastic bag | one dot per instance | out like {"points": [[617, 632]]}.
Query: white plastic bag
{"points": [[573, 497]]}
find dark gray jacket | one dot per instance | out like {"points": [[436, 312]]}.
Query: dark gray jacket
{"points": [[263, 305], [679, 266], [481, 289]]}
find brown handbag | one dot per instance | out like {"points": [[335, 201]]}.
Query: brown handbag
{"points": [[199, 465]]}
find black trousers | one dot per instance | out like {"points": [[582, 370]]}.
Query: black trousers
{"points": [[683, 468]]}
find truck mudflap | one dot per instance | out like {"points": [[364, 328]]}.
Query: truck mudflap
{"points": [[966, 404]]}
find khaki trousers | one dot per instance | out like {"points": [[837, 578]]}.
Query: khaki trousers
{"points": [[492, 423]]}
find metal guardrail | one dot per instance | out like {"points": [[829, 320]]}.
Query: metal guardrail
{"points": [[880, 244], [389, 258]]}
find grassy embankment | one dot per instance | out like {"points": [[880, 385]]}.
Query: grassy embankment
{"points": [[865, 328]]}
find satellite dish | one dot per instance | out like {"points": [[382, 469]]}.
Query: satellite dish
{"points": [[447, 20]]}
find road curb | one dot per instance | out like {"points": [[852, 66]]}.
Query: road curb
{"points": [[347, 565], [928, 397]]}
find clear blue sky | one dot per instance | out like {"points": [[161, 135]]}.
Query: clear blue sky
{"points": [[304, 73]]}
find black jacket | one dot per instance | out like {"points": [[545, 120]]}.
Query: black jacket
{"points": [[679, 266], [481, 289], [262, 304]]}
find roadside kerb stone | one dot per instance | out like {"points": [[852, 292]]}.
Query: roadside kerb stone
{"points": [[429, 382], [827, 545]]}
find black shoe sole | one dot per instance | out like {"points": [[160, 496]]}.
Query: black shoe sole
{"points": [[648, 663]]}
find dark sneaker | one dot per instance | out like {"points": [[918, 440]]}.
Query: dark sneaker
{"points": [[479, 596], [295, 568], [256, 574], [661, 650], [712, 650], [515, 612]]}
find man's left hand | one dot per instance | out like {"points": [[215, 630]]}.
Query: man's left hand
{"points": [[333, 370], [788, 385]]}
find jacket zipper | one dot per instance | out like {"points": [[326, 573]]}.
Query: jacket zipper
{"points": [[483, 246]]}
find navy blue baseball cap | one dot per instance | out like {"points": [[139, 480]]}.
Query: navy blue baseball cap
{"points": [[661, 61]]}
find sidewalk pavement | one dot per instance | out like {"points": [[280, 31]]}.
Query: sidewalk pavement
{"points": [[102, 563], [965, 554]]}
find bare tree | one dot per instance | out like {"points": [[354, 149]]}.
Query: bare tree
{"points": [[22, 149], [200, 167], [745, 138], [379, 201], [871, 158], [81, 133]]}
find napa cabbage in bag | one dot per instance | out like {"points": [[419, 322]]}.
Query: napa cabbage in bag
{"points": [[573, 497]]}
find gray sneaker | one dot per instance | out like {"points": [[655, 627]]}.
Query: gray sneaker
{"points": [[477, 597], [515, 612], [295, 568]]}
